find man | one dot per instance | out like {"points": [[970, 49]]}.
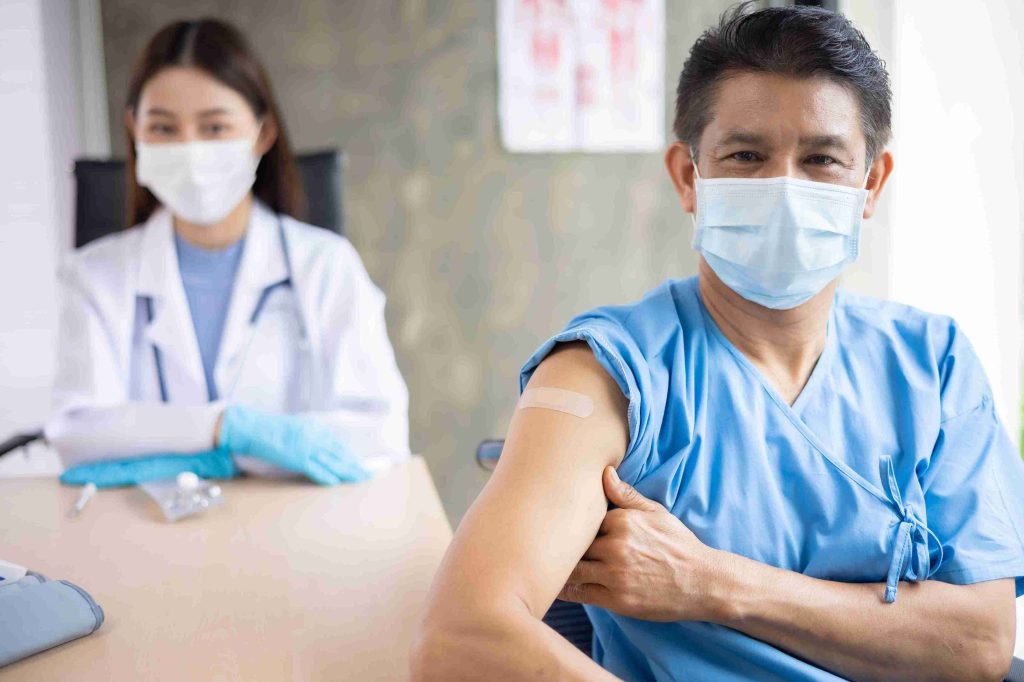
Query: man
{"points": [[814, 485]]}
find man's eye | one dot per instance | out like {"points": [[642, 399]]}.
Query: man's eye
{"points": [[821, 160], [745, 156]]}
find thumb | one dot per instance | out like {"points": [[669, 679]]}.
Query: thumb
{"points": [[623, 495]]}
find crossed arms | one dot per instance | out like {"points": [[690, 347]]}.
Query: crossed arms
{"points": [[541, 528]]}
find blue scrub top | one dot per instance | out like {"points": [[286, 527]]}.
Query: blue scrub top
{"points": [[891, 465]]}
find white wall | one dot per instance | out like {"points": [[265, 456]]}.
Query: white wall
{"points": [[870, 274], [956, 237], [41, 87], [954, 219], [947, 238]]}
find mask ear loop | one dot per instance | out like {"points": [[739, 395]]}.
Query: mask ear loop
{"points": [[693, 215]]}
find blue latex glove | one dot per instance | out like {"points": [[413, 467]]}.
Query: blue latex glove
{"points": [[292, 442], [132, 471]]}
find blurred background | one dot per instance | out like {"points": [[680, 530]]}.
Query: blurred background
{"points": [[484, 253]]}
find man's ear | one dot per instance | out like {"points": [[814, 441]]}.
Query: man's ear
{"points": [[679, 165], [267, 136], [878, 175]]}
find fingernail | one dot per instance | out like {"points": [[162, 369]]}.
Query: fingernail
{"points": [[615, 475]]}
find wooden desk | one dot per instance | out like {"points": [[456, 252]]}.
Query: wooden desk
{"points": [[286, 581]]}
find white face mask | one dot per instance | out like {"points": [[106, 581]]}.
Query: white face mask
{"points": [[777, 241], [198, 181]]}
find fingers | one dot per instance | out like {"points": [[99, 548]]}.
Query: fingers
{"points": [[321, 474], [619, 522], [349, 471], [598, 550], [587, 572], [623, 495], [585, 593]]}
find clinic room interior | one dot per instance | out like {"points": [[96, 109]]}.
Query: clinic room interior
{"points": [[512, 340]]}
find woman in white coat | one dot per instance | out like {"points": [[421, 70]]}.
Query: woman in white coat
{"points": [[220, 332]]}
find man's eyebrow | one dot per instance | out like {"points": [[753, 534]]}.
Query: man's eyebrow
{"points": [[834, 141], [739, 136]]}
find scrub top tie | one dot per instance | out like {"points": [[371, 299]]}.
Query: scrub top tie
{"points": [[910, 548]]}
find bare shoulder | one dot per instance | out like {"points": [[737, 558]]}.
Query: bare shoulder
{"points": [[572, 366]]}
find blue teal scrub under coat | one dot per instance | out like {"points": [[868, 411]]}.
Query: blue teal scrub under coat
{"points": [[890, 466]]}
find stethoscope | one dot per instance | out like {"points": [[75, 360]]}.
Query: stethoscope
{"points": [[287, 281]]}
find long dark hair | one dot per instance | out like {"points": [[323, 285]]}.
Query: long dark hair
{"points": [[221, 51]]}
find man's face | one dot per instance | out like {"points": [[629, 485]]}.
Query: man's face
{"points": [[765, 126]]}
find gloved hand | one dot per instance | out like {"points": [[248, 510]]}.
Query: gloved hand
{"points": [[292, 442], [122, 472]]}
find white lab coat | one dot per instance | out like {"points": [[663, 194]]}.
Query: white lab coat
{"points": [[318, 347]]}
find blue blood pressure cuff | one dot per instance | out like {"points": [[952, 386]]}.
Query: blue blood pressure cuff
{"points": [[37, 614]]}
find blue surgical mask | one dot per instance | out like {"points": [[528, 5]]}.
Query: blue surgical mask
{"points": [[777, 241]]}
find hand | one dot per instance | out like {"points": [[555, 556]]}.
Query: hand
{"points": [[644, 562], [115, 473], [291, 442]]}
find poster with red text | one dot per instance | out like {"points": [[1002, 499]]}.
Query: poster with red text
{"points": [[581, 75]]}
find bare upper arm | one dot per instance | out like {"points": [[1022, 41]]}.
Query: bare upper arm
{"points": [[545, 501]]}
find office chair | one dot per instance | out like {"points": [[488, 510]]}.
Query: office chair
{"points": [[100, 210], [564, 617], [100, 194], [570, 620]]}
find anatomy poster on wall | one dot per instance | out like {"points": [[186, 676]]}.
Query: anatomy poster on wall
{"points": [[581, 75]]}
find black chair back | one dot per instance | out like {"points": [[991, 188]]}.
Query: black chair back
{"points": [[100, 194]]}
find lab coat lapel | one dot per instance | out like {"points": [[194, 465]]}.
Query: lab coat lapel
{"points": [[171, 331], [263, 265]]}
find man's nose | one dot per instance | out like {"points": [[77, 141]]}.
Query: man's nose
{"points": [[780, 166]]}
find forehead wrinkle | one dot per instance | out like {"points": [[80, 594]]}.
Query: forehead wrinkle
{"points": [[775, 108]]}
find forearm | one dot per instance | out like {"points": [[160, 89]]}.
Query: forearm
{"points": [[132, 429], [934, 630], [505, 644]]}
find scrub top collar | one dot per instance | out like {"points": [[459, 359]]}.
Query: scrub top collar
{"points": [[912, 544], [813, 384]]}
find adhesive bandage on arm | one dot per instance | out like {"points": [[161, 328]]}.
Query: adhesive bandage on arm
{"points": [[558, 399]]}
